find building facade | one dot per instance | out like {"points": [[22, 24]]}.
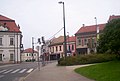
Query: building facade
{"points": [[71, 45], [56, 47], [86, 39], [29, 55], [10, 41]]}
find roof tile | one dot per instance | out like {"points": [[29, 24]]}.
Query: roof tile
{"points": [[29, 50], [91, 28], [114, 17], [9, 23]]}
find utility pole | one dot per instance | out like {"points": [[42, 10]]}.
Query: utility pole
{"points": [[32, 48], [65, 47]]}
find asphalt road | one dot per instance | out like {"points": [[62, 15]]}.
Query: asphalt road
{"points": [[15, 71]]}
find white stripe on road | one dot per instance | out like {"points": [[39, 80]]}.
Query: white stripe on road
{"points": [[8, 71], [22, 70], [15, 71], [3, 71], [30, 70], [1, 76]]}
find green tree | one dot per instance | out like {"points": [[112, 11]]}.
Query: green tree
{"points": [[110, 38]]}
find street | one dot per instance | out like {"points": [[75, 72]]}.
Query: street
{"points": [[15, 71]]}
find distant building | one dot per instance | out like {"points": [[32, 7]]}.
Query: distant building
{"points": [[10, 41], [56, 47], [28, 55], [71, 45], [87, 37]]}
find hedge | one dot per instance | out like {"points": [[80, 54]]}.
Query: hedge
{"points": [[86, 59]]}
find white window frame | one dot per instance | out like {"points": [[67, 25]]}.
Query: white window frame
{"points": [[12, 41]]}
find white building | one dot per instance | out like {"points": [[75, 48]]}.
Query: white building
{"points": [[10, 41], [29, 54]]}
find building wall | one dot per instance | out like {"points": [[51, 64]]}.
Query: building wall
{"points": [[59, 49], [87, 42], [6, 49], [71, 46], [28, 56], [56, 49]]}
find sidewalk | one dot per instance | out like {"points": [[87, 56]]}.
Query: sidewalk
{"points": [[51, 72]]}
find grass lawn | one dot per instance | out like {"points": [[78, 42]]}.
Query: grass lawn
{"points": [[107, 71]]}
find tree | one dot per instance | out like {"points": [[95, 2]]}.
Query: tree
{"points": [[109, 41]]}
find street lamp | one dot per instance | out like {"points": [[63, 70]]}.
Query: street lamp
{"points": [[97, 33], [65, 48]]}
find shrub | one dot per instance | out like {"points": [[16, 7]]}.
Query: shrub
{"points": [[86, 59]]}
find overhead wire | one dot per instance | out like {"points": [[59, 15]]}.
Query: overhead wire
{"points": [[55, 33]]}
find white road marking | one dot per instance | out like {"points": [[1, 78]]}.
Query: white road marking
{"points": [[15, 71], [8, 71], [30, 70], [22, 70], [3, 71], [1, 76]]}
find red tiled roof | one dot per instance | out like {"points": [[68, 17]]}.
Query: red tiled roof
{"points": [[71, 39], [29, 50], [60, 39], [9, 23], [4, 18], [114, 17], [91, 28]]}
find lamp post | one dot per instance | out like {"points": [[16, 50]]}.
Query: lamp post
{"points": [[65, 48], [33, 49], [97, 33]]}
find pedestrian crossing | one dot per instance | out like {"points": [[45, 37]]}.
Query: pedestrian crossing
{"points": [[13, 71]]}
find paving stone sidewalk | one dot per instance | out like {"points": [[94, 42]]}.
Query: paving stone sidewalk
{"points": [[51, 72]]}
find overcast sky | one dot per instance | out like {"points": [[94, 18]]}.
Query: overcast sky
{"points": [[44, 17]]}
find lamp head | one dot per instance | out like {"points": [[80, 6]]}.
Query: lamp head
{"points": [[61, 2]]}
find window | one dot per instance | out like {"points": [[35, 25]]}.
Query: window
{"points": [[60, 48], [27, 54], [0, 41], [56, 49], [89, 43], [30, 54], [11, 41], [69, 48], [79, 41], [82, 42], [93, 41], [72, 47], [11, 57], [0, 57], [85, 41], [53, 49]]}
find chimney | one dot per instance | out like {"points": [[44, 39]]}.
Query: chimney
{"points": [[83, 25]]}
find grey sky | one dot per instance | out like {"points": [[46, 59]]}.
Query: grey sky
{"points": [[44, 17]]}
